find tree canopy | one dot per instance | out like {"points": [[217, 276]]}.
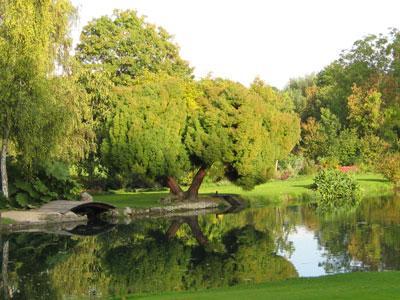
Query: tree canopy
{"points": [[126, 46], [43, 115], [361, 90], [144, 136], [165, 126]]}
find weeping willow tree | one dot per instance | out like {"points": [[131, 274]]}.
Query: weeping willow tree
{"points": [[38, 106]]}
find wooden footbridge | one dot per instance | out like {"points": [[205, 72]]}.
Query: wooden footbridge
{"points": [[89, 208]]}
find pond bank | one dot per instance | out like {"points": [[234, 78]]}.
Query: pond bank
{"points": [[18, 219], [148, 203]]}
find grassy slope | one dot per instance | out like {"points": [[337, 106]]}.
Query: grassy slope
{"points": [[352, 286], [272, 191]]}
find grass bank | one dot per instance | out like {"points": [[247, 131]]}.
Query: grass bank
{"points": [[272, 191], [368, 285]]}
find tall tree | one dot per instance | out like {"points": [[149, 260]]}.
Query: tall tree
{"points": [[365, 110], [126, 46], [300, 90], [372, 64], [30, 112], [116, 51]]}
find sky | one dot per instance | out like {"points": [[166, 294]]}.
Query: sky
{"points": [[241, 39]]}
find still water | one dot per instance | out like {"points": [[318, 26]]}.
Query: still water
{"points": [[216, 250]]}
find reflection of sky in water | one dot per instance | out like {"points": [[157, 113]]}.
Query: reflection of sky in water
{"points": [[307, 253]]}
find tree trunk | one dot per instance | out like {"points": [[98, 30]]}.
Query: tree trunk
{"points": [[3, 165], [193, 191], [4, 270], [193, 223], [173, 228], [174, 187]]}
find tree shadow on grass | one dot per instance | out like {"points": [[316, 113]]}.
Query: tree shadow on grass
{"points": [[373, 180], [306, 186]]}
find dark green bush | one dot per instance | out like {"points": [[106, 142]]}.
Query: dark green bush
{"points": [[336, 190], [51, 181]]}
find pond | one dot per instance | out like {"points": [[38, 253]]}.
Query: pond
{"points": [[157, 255]]}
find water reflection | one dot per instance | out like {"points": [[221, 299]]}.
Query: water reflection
{"points": [[193, 223], [156, 255]]}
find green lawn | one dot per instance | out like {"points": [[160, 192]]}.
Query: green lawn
{"points": [[272, 191], [137, 200], [371, 285]]}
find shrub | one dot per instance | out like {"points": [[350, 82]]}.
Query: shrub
{"points": [[390, 167], [336, 190], [51, 181], [372, 148]]}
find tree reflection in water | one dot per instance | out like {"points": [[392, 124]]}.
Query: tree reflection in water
{"points": [[194, 226], [146, 256], [157, 255]]}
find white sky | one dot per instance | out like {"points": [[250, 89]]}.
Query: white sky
{"points": [[240, 39]]}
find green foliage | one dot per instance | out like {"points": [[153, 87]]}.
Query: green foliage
{"points": [[361, 90], [299, 89], [309, 167], [144, 138], [121, 50], [166, 126], [372, 149], [44, 114], [292, 165], [329, 162], [330, 124], [312, 139], [326, 142], [245, 130], [390, 130], [125, 46], [52, 181], [28, 53], [346, 149], [390, 167], [336, 190], [320, 138], [365, 110]]}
